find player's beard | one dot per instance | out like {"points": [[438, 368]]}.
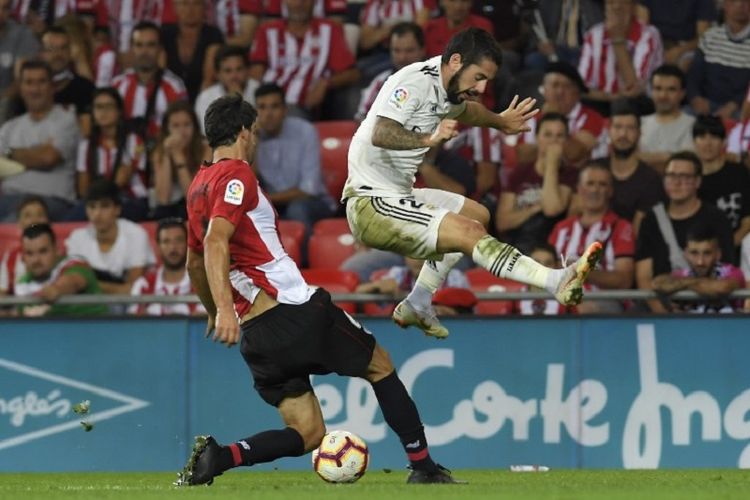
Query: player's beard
{"points": [[454, 94], [624, 153]]}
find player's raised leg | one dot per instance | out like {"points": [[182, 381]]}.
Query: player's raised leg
{"points": [[459, 233], [416, 309]]}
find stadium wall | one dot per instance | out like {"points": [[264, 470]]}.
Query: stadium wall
{"points": [[566, 393]]}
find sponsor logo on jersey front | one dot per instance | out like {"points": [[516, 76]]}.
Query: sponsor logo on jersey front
{"points": [[235, 190]]}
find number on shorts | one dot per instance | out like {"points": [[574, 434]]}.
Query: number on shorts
{"points": [[411, 202]]}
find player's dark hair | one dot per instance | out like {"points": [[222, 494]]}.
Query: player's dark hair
{"points": [[55, 30], [405, 28], [31, 200], [473, 45], [35, 64], [169, 223], [708, 124], [269, 89], [552, 117], [227, 51], [103, 189], [145, 26], [36, 230], [701, 231], [623, 107], [225, 119], [669, 70], [688, 156]]}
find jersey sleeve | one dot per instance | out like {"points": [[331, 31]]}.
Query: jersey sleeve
{"points": [[405, 98], [235, 193]]}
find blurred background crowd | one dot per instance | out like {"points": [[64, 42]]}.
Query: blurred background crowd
{"points": [[643, 141]]}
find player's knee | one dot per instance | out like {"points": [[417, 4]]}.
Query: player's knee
{"points": [[380, 365], [472, 230], [476, 211]]}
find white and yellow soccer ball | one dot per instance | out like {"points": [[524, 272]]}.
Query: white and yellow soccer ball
{"points": [[342, 457]]}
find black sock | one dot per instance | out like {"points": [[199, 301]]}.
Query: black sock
{"points": [[263, 447], [402, 416]]}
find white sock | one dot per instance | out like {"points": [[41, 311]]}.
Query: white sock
{"points": [[505, 261], [431, 277]]}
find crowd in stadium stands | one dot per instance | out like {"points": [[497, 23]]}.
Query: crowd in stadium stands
{"points": [[643, 140]]}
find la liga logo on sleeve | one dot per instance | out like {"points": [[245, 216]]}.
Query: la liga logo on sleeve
{"points": [[399, 97], [235, 190]]}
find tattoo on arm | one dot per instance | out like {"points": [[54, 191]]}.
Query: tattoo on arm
{"points": [[390, 134]]}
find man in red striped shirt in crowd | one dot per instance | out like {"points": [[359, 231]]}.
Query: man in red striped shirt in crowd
{"points": [[138, 84], [597, 222], [619, 55], [457, 17], [169, 278], [305, 55]]}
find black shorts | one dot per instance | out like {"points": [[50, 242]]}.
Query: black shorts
{"points": [[286, 344]]}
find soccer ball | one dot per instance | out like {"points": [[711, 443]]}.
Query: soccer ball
{"points": [[342, 457]]}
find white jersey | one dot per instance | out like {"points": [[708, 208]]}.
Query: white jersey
{"points": [[415, 97]]}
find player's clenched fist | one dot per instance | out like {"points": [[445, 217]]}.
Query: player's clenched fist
{"points": [[447, 130], [227, 328]]}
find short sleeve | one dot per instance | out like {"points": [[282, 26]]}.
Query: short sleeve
{"points": [[403, 100], [235, 193]]}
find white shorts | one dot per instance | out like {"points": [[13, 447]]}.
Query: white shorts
{"points": [[407, 226]]}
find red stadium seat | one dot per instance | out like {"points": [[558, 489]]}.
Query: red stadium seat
{"points": [[329, 250], [335, 137], [292, 237], [10, 237], [482, 280], [335, 281], [334, 225]]}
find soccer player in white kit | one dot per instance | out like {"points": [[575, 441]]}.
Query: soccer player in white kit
{"points": [[419, 107]]}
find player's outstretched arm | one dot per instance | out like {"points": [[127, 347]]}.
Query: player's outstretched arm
{"points": [[511, 121], [216, 254], [390, 134]]}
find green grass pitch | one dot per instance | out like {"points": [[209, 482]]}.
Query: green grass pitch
{"points": [[377, 484]]}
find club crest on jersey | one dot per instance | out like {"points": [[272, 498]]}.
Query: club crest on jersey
{"points": [[235, 190], [399, 97]]}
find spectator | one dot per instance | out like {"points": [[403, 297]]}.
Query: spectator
{"points": [[237, 20], [170, 278], [681, 23], [288, 161], [457, 17], [49, 276], [706, 275], [563, 23], [538, 193], [71, 89], [562, 88], [619, 54], [718, 77], [546, 255], [482, 149], [32, 210], [17, 43], [231, 70], [118, 250], [637, 186], [81, 35], [378, 19], [191, 46], [597, 222], [725, 184], [124, 17], [147, 89], [178, 155], [305, 82], [44, 141], [113, 153], [406, 46], [669, 129], [333, 9], [446, 170], [663, 234]]}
